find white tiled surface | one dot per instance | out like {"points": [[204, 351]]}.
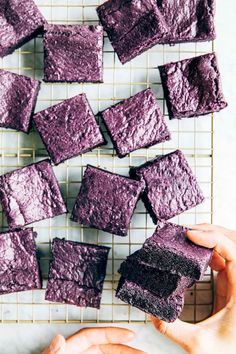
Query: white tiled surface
{"points": [[30, 339]]}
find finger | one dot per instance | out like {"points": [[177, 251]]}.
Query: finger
{"points": [[212, 239], [221, 291], [88, 337], [217, 263], [178, 331], [57, 346], [112, 349], [209, 227]]}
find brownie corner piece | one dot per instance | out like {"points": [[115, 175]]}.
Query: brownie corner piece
{"points": [[19, 268], [106, 201], [132, 26], [68, 129], [20, 20], [174, 252], [135, 123], [170, 186], [135, 295], [192, 87], [18, 99], [77, 273], [73, 53], [31, 194]]}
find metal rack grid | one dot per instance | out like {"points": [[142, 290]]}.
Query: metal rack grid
{"points": [[193, 136]]}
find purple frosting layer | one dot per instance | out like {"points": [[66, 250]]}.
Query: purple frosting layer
{"points": [[68, 129], [192, 87], [70, 292], [79, 262], [19, 269], [132, 26], [135, 123], [171, 187], [106, 201], [73, 53], [159, 282], [188, 20], [20, 20], [165, 309], [31, 194], [170, 250], [18, 96]]}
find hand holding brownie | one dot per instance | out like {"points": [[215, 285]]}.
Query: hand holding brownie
{"points": [[93, 341], [217, 333]]}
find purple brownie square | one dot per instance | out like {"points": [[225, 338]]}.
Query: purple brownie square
{"points": [[168, 309], [20, 20], [18, 96], [135, 123], [132, 26], [192, 87], [77, 273], [106, 201], [159, 282], [19, 269], [68, 129], [73, 53], [195, 20], [168, 249], [171, 187], [31, 194]]}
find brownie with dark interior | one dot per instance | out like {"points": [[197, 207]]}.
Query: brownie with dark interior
{"points": [[194, 22], [30, 194], [18, 95], [77, 273], [133, 26], [68, 129], [20, 21], [19, 269], [159, 282], [73, 53], [168, 249], [171, 187], [133, 294], [192, 87], [106, 201], [135, 123]]}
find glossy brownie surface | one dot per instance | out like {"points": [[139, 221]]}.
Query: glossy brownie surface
{"points": [[18, 96], [135, 123], [31, 194], [73, 53], [19, 270], [68, 129], [106, 201], [192, 87]]}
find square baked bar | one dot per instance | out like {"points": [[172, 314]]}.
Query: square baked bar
{"points": [[135, 123], [106, 201], [192, 87], [31, 194], [19, 269], [73, 53], [77, 273], [20, 20], [133, 26], [18, 95], [169, 249], [171, 187], [194, 22], [68, 129]]}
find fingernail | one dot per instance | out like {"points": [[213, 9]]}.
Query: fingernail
{"points": [[131, 335], [56, 343]]}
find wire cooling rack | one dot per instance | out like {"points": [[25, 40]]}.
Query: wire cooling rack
{"points": [[193, 136]]}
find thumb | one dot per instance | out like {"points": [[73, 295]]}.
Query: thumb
{"points": [[180, 332], [57, 346]]}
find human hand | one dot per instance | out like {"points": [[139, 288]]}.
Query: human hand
{"points": [[217, 334], [105, 340]]}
